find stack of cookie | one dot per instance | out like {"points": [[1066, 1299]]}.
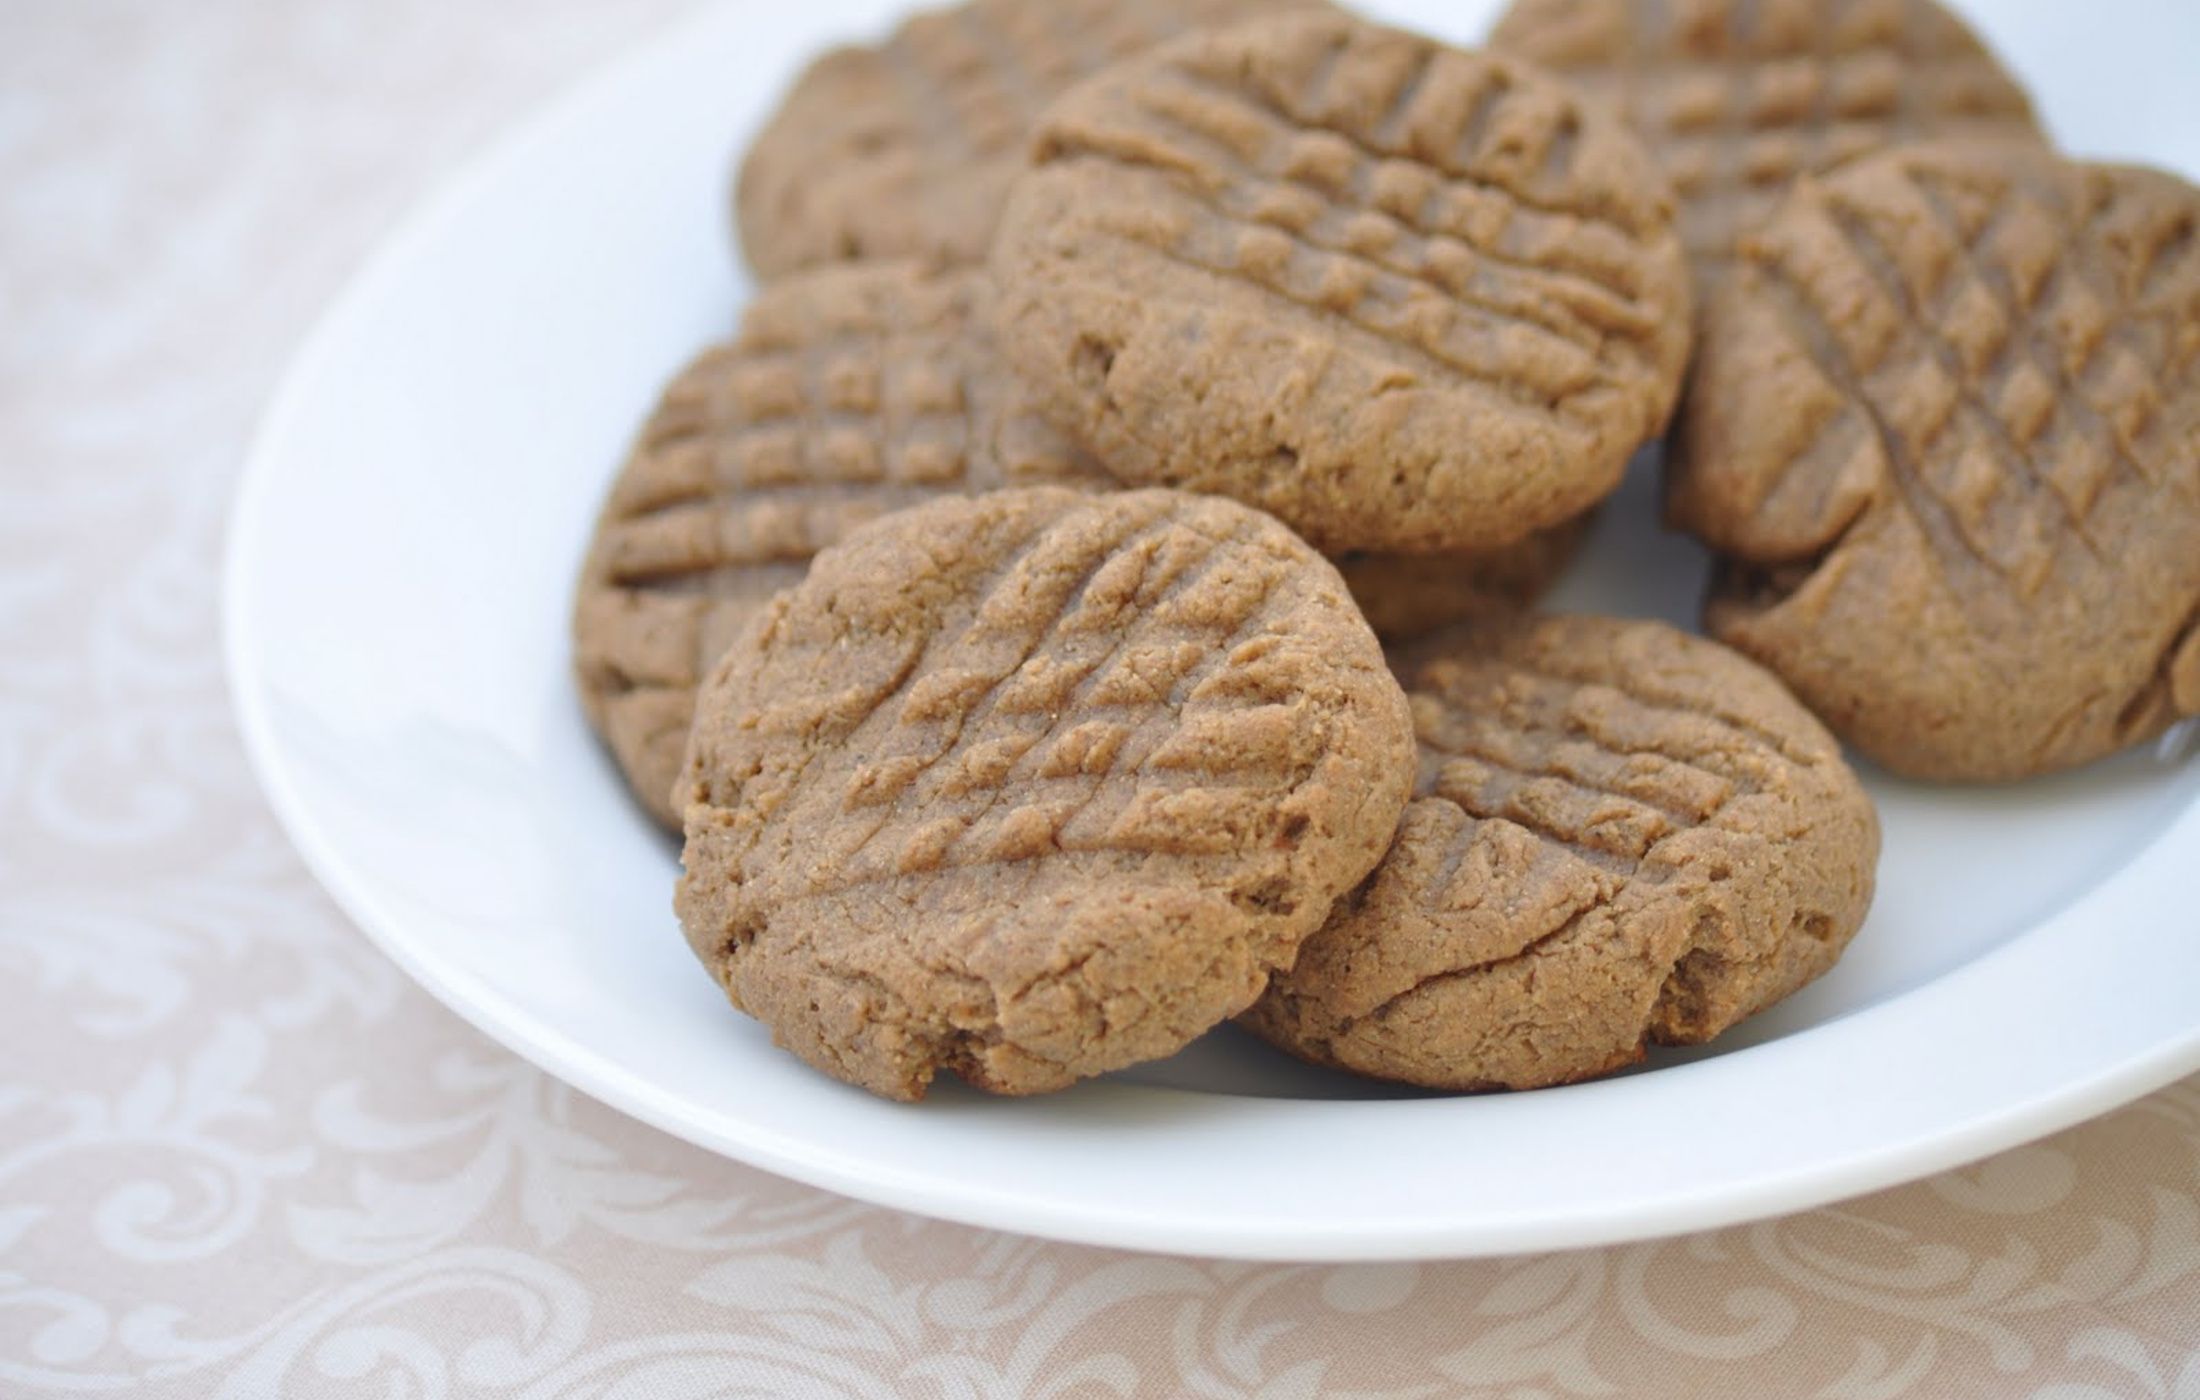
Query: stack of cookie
{"points": [[1001, 615]]}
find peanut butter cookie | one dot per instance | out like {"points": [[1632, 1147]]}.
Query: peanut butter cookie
{"points": [[1034, 785], [1621, 834], [1946, 429], [1407, 298]]}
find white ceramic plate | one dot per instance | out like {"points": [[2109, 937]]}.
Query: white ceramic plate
{"points": [[399, 574]]}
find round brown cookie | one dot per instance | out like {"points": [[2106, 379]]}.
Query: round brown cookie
{"points": [[1738, 98], [905, 149], [1407, 298], [850, 392], [1407, 595], [1034, 785], [1621, 834], [1946, 428]]}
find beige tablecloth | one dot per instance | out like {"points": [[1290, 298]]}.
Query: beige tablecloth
{"points": [[241, 1156]]}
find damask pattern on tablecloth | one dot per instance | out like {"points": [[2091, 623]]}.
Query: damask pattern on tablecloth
{"points": [[241, 1157]]}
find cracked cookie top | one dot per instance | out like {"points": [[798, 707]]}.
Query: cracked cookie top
{"points": [[1034, 785], [1945, 427], [1620, 834], [1405, 297]]}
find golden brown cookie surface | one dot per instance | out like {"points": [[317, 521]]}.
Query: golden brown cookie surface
{"points": [[1946, 428], [1739, 98], [849, 393], [1033, 785], [1405, 297], [1621, 834], [904, 149]]}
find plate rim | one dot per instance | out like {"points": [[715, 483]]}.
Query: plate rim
{"points": [[1105, 1224]]}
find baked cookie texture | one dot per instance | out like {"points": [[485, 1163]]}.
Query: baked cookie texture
{"points": [[1034, 785], [1620, 834], [849, 393], [1739, 98], [1407, 298], [1945, 428], [1409, 595], [906, 148]]}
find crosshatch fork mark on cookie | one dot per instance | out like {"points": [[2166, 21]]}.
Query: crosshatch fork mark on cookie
{"points": [[1945, 429], [1405, 297], [1450, 237], [1739, 98], [849, 394], [817, 420], [1585, 764], [1035, 732], [2007, 386], [904, 148]]}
